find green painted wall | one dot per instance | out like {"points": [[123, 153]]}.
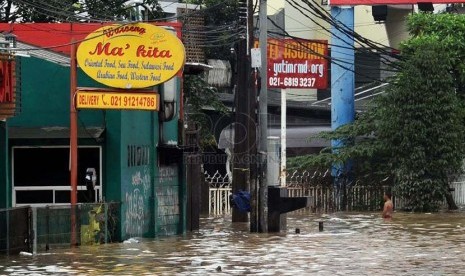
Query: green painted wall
{"points": [[136, 181], [5, 194], [170, 185], [168, 207], [151, 195], [152, 199], [112, 155], [45, 96]]}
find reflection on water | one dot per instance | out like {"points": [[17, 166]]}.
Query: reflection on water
{"points": [[351, 244]]}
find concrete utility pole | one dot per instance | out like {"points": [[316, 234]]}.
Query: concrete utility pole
{"points": [[245, 168], [241, 165], [342, 84], [252, 123], [244, 171]]}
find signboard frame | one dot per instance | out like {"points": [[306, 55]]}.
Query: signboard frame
{"points": [[297, 63], [131, 56], [117, 99]]}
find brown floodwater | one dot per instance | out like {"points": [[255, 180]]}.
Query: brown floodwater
{"points": [[351, 244]]}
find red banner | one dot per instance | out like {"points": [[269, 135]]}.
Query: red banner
{"points": [[297, 63], [8, 98]]}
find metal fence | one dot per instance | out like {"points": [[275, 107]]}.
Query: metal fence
{"points": [[218, 194], [34, 229], [458, 192], [352, 196], [15, 231], [349, 196]]}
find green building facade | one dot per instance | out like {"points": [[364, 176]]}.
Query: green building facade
{"points": [[130, 150]]}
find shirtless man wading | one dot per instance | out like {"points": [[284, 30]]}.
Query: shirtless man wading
{"points": [[388, 207]]}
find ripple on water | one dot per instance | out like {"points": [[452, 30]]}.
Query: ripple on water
{"points": [[351, 244]]}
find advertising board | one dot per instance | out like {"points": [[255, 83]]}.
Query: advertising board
{"points": [[117, 100], [131, 56], [297, 63]]}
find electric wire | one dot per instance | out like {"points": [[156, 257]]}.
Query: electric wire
{"points": [[347, 61], [325, 15], [383, 60], [336, 61], [315, 13], [71, 15], [44, 10], [51, 13], [202, 10]]}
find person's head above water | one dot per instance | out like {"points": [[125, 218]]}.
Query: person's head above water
{"points": [[387, 195]]}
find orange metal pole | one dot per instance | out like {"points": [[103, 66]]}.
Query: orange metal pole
{"points": [[181, 77], [73, 137]]}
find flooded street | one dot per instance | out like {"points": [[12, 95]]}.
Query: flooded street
{"points": [[351, 244]]}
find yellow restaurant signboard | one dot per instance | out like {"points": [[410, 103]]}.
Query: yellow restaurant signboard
{"points": [[131, 56], [117, 100]]}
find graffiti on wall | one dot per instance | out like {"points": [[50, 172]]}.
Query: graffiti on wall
{"points": [[139, 179], [167, 175], [137, 210], [167, 193]]}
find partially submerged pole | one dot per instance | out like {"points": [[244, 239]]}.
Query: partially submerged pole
{"points": [[282, 168], [73, 137], [342, 86], [263, 118]]}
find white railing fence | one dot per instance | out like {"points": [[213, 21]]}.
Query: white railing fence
{"points": [[459, 192], [218, 195], [320, 188]]}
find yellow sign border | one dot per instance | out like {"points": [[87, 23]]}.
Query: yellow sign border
{"points": [[131, 56], [86, 99]]}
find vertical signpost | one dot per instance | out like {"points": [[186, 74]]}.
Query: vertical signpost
{"points": [[130, 59], [73, 144], [285, 63], [263, 120], [282, 170], [299, 64]]}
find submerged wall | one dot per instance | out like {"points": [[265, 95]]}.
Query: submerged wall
{"points": [[151, 191]]}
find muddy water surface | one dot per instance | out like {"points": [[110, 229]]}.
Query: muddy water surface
{"points": [[351, 244]]}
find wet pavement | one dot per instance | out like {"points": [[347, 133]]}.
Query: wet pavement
{"points": [[351, 244]]}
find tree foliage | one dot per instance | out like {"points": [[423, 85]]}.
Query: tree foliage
{"points": [[450, 29], [77, 10], [414, 132], [40, 11], [222, 27], [119, 10], [223, 24], [198, 96], [7, 13]]}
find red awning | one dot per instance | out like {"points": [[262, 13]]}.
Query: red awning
{"points": [[56, 36]]}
